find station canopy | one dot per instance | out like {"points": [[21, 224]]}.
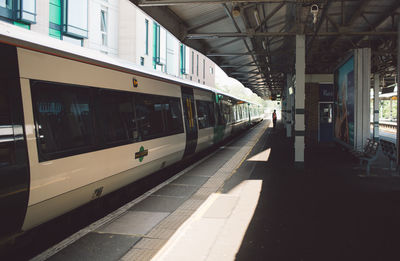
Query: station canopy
{"points": [[254, 41]]}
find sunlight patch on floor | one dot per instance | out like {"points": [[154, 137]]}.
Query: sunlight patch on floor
{"points": [[216, 230], [262, 156]]}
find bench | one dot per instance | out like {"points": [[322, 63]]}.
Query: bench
{"points": [[369, 153], [390, 151]]}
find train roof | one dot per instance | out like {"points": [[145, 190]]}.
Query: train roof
{"points": [[24, 38]]}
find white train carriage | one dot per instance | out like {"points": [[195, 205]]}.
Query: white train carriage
{"points": [[76, 125]]}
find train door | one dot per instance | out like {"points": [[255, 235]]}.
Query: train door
{"points": [[190, 121], [14, 171]]}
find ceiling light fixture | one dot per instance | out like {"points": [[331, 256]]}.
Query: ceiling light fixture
{"points": [[236, 11], [257, 17]]}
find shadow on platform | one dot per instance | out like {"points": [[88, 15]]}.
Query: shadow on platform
{"points": [[325, 211]]}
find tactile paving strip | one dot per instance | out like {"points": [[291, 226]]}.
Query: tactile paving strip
{"points": [[154, 240]]}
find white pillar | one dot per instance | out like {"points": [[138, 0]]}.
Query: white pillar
{"points": [[299, 100], [376, 107], [390, 109], [362, 119]]}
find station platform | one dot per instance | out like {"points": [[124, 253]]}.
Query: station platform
{"points": [[247, 201]]}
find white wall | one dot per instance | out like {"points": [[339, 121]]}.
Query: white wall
{"points": [[127, 31], [94, 39], [141, 17], [209, 78], [42, 17], [173, 55]]}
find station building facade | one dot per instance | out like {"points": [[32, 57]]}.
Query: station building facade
{"points": [[116, 28]]}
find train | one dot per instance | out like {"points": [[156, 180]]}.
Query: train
{"points": [[76, 125]]}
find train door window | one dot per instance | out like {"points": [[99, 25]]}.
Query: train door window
{"points": [[7, 148], [202, 114], [149, 116], [173, 116], [63, 117], [205, 114], [115, 116], [226, 112]]}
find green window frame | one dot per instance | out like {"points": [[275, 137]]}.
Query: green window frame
{"points": [[183, 59], [156, 44], [23, 11], [26, 11], [192, 62], [197, 73]]}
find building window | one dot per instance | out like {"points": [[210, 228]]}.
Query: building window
{"points": [[75, 18], [211, 70], [192, 62], [197, 66], [159, 45], [64, 25], [103, 26], [156, 44], [19, 10], [183, 59], [146, 22], [26, 11], [204, 68], [142, 61], [6, 4]]}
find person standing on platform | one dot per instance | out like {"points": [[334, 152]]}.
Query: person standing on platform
{"points": [[274, 118]]}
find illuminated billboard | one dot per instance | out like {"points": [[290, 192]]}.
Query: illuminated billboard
{"points": [[344, 101]]}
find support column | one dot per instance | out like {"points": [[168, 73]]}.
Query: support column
{"points": [[376, 107], [299, 126]]}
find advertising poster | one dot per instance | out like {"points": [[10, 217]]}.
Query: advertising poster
{"points": [[344, 102]]}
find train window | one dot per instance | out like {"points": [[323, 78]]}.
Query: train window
{"points": [[173, 116], [158, 116], [149, 116], [226, 112], [7, 148], [63, 117], [205, 114], [115, 116]]}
